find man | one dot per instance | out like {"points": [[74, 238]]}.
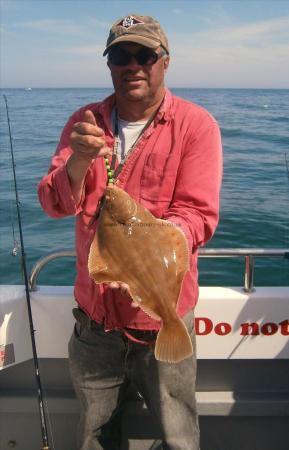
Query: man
{"points": [[169, 159]]}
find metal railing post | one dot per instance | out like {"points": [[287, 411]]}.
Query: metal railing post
{"points": [[38, 266], [249, 273]]}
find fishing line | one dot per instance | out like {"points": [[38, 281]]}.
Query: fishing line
{"points": [[15, 242], [45, 444], [16, 245], [11, 210]]}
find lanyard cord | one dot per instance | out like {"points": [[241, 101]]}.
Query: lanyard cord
{"points": [[110, 167]]}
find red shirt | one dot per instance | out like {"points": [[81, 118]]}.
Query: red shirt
{"points": [[174, 171]]}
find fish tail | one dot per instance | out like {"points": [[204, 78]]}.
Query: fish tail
{"points": [[173, 342]]}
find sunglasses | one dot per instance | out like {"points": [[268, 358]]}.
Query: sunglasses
{"points": [[144, 57]]}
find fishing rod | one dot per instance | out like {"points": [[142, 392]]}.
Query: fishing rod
{"points": [[45, 444]]}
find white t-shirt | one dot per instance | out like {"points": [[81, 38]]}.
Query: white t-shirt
{"points": [[128, 133]]}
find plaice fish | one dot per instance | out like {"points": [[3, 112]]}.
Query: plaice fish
{"points": [[151, 255]]}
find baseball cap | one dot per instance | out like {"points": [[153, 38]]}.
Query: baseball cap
{"points": [[144, 30]]}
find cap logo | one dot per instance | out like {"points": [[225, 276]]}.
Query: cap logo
{"points": [[129, 21]]}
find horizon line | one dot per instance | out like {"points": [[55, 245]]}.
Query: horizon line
{"points": [[111, 88]]}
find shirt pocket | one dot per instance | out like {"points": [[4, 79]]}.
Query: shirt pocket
{"points": [[157, 184]]}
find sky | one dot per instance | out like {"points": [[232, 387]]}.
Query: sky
{"points": [[213, 44]]}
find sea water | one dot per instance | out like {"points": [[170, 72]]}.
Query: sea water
{"points": [[254, 198]]}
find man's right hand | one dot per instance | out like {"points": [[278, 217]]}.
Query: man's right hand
{"points": [[87, 139], [87, 143]]}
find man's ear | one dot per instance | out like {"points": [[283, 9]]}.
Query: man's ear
{"points": [[166, 62]]}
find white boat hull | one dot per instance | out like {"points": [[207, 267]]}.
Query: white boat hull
{"points": [[242, 383]]}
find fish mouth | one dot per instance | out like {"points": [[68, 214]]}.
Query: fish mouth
{"points": [[110, 193]]}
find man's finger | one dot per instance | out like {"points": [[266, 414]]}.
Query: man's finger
{"points": [[87, 140], [114, 285], [124, 289], [87, 128], [89, 117], [134, 305], [105, 151]]}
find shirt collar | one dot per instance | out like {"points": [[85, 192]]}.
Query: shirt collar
{"points": [[166, 109]]}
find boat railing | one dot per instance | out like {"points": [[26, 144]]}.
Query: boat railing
{"points": [[249, 255]]}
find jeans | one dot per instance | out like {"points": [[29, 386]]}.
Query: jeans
{"points": [[101, 365]]}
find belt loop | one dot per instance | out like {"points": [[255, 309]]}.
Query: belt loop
{"points": [[89, 326]]}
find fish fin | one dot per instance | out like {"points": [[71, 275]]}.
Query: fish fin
{"points": [[145, 309], [173, 342], [181, 246], [150, 313], [95, 262]]}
